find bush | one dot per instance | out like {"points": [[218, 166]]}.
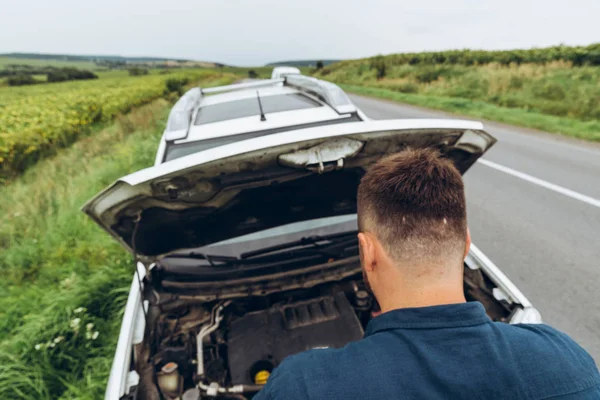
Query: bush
{"points": [[252, 74], [57, 76], [378, 63], [70, 74], [137, 71], [176, 85], [20, 80], [319, 65], [550, 91], [428, 75]]}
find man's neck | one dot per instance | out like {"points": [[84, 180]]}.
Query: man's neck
{"points": [[420, 296]]}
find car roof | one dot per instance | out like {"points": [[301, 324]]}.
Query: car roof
{"points": [[241, 125], [253, 123], [248, 93]]}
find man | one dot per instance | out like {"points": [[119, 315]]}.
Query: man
{"points": [[429, 343]]}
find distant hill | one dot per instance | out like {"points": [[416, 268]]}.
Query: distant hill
{"points": [[93, 58], [98, 61], [301, 63]]}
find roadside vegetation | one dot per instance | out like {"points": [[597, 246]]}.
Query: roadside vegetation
{"points": [[555, 89], [65, 281]]}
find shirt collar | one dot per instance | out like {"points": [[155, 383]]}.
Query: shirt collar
{"points": [[444, 316]]}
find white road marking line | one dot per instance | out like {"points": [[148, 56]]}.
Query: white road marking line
{"points": [[536, 181]]}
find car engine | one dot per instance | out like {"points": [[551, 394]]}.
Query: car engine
{"points": [[229, 349], [261, 340]]}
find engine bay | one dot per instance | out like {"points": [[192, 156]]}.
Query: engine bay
{"points": [[227, 349]]}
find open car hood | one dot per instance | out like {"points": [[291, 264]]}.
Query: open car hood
{"points": [[256, 184]]}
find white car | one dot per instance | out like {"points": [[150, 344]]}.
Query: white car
{"points": [[247, 245]]}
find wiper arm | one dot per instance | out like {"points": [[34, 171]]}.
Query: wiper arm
{"points": [[325, 246], [211, 258], [305, 241]]}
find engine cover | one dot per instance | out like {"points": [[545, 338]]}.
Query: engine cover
{"points": [[275, 333]]}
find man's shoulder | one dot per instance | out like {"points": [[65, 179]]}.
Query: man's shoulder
{"points": [[543, 337], [544, 348]]}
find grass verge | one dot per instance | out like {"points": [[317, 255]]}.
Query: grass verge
{"points": [[588, 130], [65, 281]]}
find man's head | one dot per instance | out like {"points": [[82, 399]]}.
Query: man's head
{"points": [[413, 225]]}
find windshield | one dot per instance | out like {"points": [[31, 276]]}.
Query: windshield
{"points": [[249, 107], [280, 235]]}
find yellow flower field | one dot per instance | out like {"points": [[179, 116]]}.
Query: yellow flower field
{"points": [[36, 120]]}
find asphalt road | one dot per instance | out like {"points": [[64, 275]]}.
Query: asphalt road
{"points": [[538, 220]]}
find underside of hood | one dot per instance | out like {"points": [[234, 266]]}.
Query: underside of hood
{"points": [[252, 185]]}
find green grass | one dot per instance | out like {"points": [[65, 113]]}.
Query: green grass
{"points": [[54, 259], [588, 130], [555, 97], [4, 61]]}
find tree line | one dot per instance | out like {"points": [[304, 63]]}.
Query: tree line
{"points": [[578, 55], [18, 75]]}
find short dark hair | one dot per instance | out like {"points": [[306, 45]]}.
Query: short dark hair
{"points": [[414, 202]]}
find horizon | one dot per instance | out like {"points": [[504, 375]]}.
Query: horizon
{"points": [[21, 54]]}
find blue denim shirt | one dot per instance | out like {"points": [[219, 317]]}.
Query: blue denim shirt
{"points": [[441, 352]]}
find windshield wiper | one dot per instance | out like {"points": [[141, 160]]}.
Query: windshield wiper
{"points": [[211, 258], [325, 246], [315, 241]]}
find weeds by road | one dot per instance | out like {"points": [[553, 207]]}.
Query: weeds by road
{"points": [[588, 130], [555, 97]]}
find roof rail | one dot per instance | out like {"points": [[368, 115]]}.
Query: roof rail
{"points": [[180, 116], [330, 93]]}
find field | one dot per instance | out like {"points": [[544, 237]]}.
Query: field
{"points": [[554, 96], [64, 280], [38, 62], [38, 120]]}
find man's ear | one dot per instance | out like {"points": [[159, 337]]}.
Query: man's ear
{"points": [[468, 243], [367, 250]]}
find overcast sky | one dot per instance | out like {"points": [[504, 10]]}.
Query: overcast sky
{"points": [[255, 32]]}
